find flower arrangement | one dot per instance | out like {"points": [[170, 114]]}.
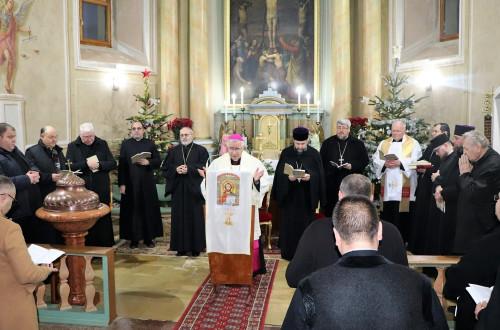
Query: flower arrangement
{"points": [[153, 121], [176, 124], [357, 124]]}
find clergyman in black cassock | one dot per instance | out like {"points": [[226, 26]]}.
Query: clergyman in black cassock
{"points": [[96, 176], [342, 154], [446, 189], [140, 217], [422, 223], [180, 169], [297, 198], [479, 182]]}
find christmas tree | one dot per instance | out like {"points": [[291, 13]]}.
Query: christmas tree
{"points": [[155, 123], [394, 106]]}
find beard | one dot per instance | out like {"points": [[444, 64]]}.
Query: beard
{"points": [[300, 151], [343, 138]]}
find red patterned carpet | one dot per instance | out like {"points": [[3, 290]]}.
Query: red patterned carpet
{"points": [[228, 309]]}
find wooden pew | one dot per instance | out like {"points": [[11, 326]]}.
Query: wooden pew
{"points": [[440, 263]]}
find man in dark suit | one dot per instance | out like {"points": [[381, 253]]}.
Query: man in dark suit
{"points": [[25, 176], [317, 249], [363, 290], [49, 158]]}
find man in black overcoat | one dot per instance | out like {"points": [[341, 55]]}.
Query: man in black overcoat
{"points": [[479, 182], [180, 169], [140, 217], [317, 247], [91, 155], [342, 154], [363, 290], [25, 176], [49, 158], [297, 198]]}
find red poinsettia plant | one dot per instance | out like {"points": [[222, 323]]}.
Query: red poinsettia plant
{"points": [[358, 124], [176, 124]]}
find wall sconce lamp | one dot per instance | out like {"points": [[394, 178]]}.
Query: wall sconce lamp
{"points": [[430, 77]]}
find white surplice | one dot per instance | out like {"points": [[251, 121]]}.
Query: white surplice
{"points": [[393, 178], [221, 238]]}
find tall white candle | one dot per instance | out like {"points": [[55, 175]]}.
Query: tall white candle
{"points": [[242, 90], [298, 97], [317, 113], [234, 103], [225, 111], [308, 97]]}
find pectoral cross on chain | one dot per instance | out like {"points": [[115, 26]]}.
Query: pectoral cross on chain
{"points": [[341, 161]]}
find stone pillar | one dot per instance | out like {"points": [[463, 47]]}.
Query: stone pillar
{"points": [[184, 57], [169, 63], [199, 93], [341, 62], [368, 77]]}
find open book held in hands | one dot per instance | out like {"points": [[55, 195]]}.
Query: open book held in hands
{"points": [[296, 172], [142, 155], [388, 156], [42, 256], [421, 165], [337, 165]]}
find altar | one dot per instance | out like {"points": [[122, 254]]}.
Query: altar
{"points": [[267, 123]]}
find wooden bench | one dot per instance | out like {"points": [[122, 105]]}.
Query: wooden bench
{"points": [[89, 314], [440, 263]]}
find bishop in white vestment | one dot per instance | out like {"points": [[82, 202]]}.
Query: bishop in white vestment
{"points": [[237, 160]]}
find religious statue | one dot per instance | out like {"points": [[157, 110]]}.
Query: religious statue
{"points": [[10, 23]]}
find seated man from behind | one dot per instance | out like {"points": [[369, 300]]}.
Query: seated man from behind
{"points": [[363, 290], [317, 249], [478, 266]]}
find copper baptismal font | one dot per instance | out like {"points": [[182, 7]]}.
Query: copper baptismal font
{"points": [[73, 210]]}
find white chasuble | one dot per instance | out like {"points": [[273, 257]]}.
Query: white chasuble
{"points": [[229, 193], [395, 179]]}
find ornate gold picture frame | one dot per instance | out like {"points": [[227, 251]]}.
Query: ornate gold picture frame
{"points": [[271, 43]]}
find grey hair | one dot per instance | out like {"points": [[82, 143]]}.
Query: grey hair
{"points": [[477, 138], [243, 143], [6, 184], [400, 121], [344, 122], [87, 127], [356, 184]]}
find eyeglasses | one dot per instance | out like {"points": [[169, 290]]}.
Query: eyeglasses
{"points": [[13, 198]]}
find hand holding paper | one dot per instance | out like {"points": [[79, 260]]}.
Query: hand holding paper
{"points": [[42, 256]]}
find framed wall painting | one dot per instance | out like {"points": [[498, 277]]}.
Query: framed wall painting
{"points": [[271, 43]]}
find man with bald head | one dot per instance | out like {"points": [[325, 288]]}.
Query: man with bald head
{"points": [[391, 162], [49, 158], [180, 169]]}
